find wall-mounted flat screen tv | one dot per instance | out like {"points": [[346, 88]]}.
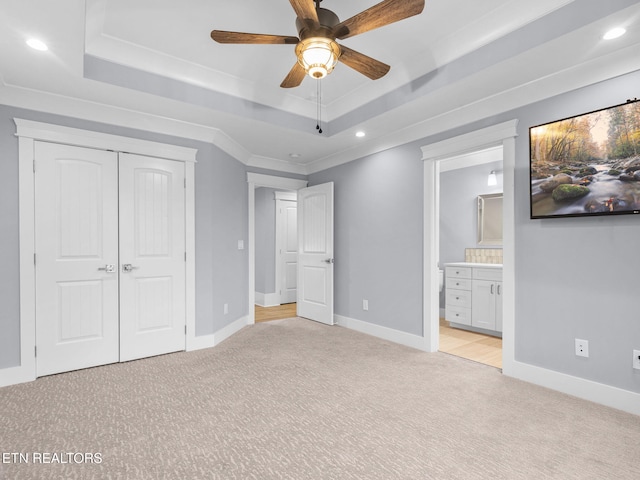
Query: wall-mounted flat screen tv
{"points": [[587, 165]]}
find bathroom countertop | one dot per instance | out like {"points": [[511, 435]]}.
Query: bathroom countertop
{"points": [[469, 264]]}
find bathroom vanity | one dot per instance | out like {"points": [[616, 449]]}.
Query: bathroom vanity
{"points": [[473, 296]]}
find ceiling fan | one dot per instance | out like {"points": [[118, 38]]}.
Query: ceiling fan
{"points": [[318, 28]]}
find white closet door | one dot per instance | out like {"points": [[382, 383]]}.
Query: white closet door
{"points": [[287, 244], [152, 257], [76, 230]]}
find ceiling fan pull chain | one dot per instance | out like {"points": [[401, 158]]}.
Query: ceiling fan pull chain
{"points": [[319, 108]]}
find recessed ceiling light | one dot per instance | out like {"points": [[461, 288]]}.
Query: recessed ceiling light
{"points": [[360, 134], [614, 33], [37, 44], [294, 155]]}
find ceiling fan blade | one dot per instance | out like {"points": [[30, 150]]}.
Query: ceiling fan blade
{"points": [[384, 13], [305, 10], [367, 66], [294, 77], [222, 36]]}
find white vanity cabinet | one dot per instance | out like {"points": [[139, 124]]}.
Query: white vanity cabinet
{"points": [[486, 291], [473, 295]]}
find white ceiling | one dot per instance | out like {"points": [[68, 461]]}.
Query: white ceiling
{"points": [[151, 64]]}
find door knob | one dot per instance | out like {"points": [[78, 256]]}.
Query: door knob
{"points": [[127, 267], [329, 260], [109, 268]]}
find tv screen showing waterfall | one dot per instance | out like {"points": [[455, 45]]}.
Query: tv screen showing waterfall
{"points": [[588, 164]]}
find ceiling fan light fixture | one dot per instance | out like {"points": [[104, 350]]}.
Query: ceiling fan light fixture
{"points": [[318, 56]]}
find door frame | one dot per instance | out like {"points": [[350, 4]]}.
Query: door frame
{"points": [[28, 132], [257, 180], [433, 155]]}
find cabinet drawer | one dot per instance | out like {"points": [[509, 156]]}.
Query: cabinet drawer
{"points": [[458, 283], [487, 274], [459, 315], [458, 272], [458, 298]]}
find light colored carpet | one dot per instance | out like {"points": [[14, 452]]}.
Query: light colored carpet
{"points": [[294, 399]]}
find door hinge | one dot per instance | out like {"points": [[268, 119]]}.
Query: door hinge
{"points": [[185, 329], [34, 258], [185, 256], [34, 165], [35, 351], [185, 183]]}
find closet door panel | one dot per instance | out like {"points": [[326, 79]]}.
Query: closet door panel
{"points": [[152, 256], [76, 230]]}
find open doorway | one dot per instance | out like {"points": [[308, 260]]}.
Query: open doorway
{"points": [[470, 245], [256, 181], [276, 253], [434, 156]]}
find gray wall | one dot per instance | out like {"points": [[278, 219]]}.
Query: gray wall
{"points": [[378, 238], [459, 190], [575, 278], [265, 240], [220, 210], [9, 243], [221, 220]]}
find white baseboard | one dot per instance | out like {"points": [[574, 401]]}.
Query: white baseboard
{"points": [[613, 397], [396, 336], [200, 342], [213, 339], [15, 375], [267, 299], [234, 327]]}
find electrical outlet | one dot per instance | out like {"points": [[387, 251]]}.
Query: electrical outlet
{"points": [[365, 304], [636, 359], [582, 348]]}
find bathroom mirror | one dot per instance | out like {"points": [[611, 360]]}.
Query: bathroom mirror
{"points": [[490, 219]]}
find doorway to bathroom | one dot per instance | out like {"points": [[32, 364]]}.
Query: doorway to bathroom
{"points": [[435, 156], [470, 246]]}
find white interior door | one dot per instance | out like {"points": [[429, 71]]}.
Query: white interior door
{"points": [[315, 253], [76, 231], [287, 245], [152, 256]]}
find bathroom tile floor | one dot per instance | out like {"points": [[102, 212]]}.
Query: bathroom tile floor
{"points": [[470, 345]]}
